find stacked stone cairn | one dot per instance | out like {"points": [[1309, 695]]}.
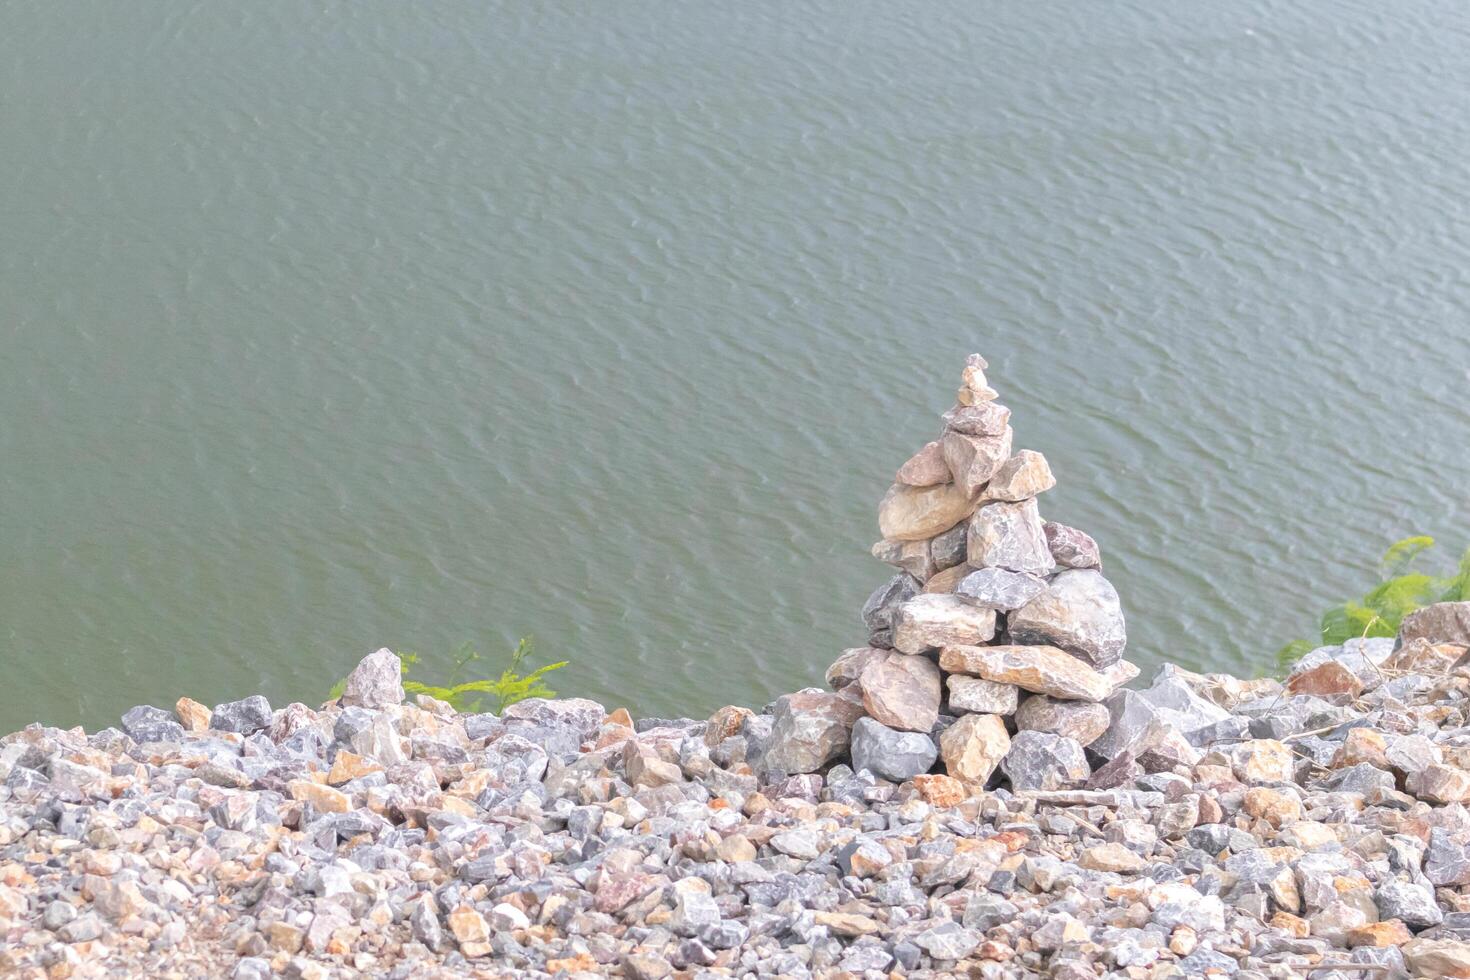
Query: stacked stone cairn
{"points": [[991, 651]]}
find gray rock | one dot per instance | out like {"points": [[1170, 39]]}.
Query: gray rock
{"points": [[1008, 535], [1442, 622], [581, 715], [948, 941], [145, 723], [999, 588], [809, 729], [1043, 761], [892, 754], [878, 611], [1414, 904], [949, 549], [244, 716], [376, 682], [1079, 612]]}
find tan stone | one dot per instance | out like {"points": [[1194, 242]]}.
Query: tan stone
{"points": [[846, 924], [1393, 932], [1082, 721], [349, 766], [973, 746], [914, 557], [619, 716], [1112, 857], [285, 937], [940, 790], [1362, 745], [1291, 925], [943, 583], [192, 715], [925, 468], [918, 513], [1274, 806], [323, 798], [1263, 760], [976, 695], [468, 925], [902, 692], [727, 721], [1025, 474], [1038, 669], [1438, 957], [735, 848], [928, 621]]}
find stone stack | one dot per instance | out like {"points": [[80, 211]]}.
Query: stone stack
{"points": [[994, 646]]}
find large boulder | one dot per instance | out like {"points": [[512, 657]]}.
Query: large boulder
{"points": [[1005, 534], [809, 729], [988, 418], [847, 668], [1038, 669], [936, 620], [581, 716], [1081, 721], [1079, 612], [975, 695], [917, 513], [902, 692], [889, 753]]}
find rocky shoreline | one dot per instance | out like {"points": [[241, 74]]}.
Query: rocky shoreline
{"points": [[977, 794]]}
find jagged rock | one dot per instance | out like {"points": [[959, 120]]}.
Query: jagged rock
{"points": [[1071, 548], [1411, 903], [809, 729], [974, 388], [244, 716], [973, 746], [1437, 957], [1081, 721], [847, 668], [1008, 535], [1043, 761], [974, 459], [878, 611], [145, 723], [1079, 612], [1331, 680], [1441, 622], [1025, 474], [984, 419], [929, 621], [913, 557], [902, 691], [949, 549], [999, 588], [1038, 669], [975, 695], [376, 682], [579, 715], [890, 753], [918, 513], [192, 715], [925, 468]]}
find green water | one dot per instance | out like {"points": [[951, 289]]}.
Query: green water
{"points": [[332, 326]]}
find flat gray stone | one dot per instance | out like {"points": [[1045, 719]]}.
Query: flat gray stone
{"points": [[890, 753]]}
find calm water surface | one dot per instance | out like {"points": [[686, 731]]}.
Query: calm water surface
{"points": [[338, 325]]}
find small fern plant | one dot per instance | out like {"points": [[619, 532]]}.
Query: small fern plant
{"points": [[1401, 589], [470, 696]]}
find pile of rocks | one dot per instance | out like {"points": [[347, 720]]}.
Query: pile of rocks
{"points": [[996, 644]]}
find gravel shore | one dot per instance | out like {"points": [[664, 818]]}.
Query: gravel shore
{"points": [[1314, 834]]}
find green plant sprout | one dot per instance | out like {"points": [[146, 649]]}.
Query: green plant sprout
{"points": [[469, 696]]}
